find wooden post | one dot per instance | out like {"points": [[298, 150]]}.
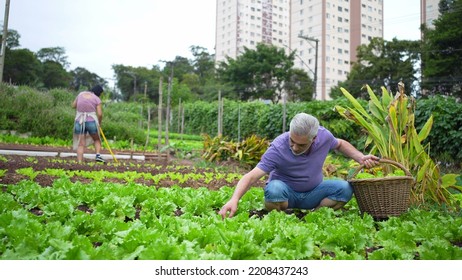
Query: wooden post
{"points": [[220, 108], [4, 37], [149, 126], [221, 115], [167, 117], [239, 122], [159, 116], [179, 115], [182, 122]]}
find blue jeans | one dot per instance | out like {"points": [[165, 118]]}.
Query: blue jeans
{"points": [[90, 127], [337, 190]]}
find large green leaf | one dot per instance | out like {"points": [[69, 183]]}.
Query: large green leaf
{"points": [[425, 131]]}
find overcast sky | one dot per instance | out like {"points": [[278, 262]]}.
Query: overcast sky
{"points": [[99, 33]]}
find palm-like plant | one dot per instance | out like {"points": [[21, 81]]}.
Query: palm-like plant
{"points": [[389, 124]]}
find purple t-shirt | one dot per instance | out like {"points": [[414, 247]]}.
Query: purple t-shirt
{"points": [[304, 172], [87, 102]]}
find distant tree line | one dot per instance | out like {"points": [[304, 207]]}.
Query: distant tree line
{"points": [[45, 69], [428, 67]]}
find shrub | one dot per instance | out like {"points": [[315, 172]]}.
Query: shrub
{"points": [[249, 151], [49, 114]]}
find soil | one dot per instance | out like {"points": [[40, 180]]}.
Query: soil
{"points": [[161, 163]]}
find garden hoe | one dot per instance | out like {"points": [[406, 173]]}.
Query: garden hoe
{"points": [[107, 144]]}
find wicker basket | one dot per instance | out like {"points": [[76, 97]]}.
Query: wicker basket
{"points": [[383, 197]]}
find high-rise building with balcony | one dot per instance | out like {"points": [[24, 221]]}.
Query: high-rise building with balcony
{"points": [[324, 34]]}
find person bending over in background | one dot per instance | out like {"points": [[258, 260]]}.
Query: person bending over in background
{"points": [[294, 162], [89, 115]]}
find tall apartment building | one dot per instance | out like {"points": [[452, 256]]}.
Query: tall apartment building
{"points": [[429, 12], [332, 29]]}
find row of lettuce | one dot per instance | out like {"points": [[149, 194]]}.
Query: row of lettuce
{"points": [[129, 221], [50, 115]]}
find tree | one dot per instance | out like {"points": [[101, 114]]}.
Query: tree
{"points": [[132, 80], [82, 79], [259, 73], [382, 63], [55, 76], [12, 39], [56, 54], [300, 86], [22, 67], [443, 51], [193, 82], [181, 67], [203, 63], [179, 91]]}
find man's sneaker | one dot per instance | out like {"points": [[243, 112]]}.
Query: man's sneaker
{"points": [[99, 159]]}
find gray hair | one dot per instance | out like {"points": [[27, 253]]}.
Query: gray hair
{"points": [[303, 124]]}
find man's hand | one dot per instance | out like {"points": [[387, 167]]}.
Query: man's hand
{"points": [[369, 161], [230, 207]]}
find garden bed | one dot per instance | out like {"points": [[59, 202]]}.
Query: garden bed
{"points": [[153, 165], [56, 208]]}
